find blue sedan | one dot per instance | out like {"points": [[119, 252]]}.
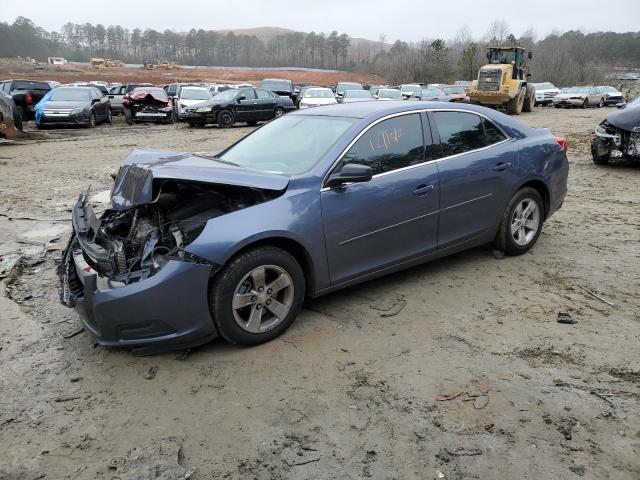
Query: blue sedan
{"points": [[196, 247]]}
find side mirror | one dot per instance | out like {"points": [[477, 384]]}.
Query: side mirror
{"points": [[241, 98], [530, 55], [94, 101], [350, 173]]}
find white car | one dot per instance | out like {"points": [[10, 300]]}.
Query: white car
{"points": [[315, 97], [612, 96], [388, 94], [545, 92], [578, 97], [189, 96], [409, 90]]}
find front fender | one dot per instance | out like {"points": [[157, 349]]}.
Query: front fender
{"points": [[295, 216]]}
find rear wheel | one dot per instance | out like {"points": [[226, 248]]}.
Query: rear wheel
{"points": [[225, 119], [279, 112], [257, 296], [109, 119], [17, 119], [24, 112], [521, 223]]}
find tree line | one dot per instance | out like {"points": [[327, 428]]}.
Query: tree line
{"points": [[562, 58]]}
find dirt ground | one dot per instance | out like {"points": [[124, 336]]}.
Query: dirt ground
{"points": [[468, 376], [72, 72]]}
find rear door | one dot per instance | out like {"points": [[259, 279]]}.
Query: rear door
{"points": [[266, 103], [247, 107], [392, 218], [478, 166]]}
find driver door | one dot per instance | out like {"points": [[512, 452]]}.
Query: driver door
{"points": [[246, 108], [392, 218]]}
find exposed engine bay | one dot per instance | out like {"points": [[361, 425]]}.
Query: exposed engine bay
{"points": [[132, 244], [617, 136]]}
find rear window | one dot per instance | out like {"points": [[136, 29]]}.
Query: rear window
{"points": [[277, 85], [28, 85], [156, 92], [462, 132]]}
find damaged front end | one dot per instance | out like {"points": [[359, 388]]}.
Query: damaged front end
{"points": [[126, 270], [617, 136]]}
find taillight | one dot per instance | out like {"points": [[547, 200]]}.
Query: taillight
{"points": [[28, 98], [563, 143]]}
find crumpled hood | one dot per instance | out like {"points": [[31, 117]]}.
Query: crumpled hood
{"points": [[627, 119], [148, 97], [134, 182]]}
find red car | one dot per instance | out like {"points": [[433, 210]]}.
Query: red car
{"points": [[148, 104]]}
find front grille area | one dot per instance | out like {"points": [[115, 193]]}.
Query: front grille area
{"points": [[58, 112], [489, 80]]}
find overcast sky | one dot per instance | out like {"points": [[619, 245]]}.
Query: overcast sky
{"points": [[398, 19]]}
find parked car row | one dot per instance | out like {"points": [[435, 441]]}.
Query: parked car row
{"points": [[548, 94]]}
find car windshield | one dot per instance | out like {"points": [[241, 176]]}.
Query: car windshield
{"points": [[544, 86], [69, 94], [289, 145], [357, 94], [318, 93], [432, 92], [578, 90], [608, 89], [389, 93], [344, 86], [453, 90], [227, 95], [195, 94], [410, 88], [276, 85]]}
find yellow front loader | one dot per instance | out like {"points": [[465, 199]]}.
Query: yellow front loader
{"points": [[503, 82]]}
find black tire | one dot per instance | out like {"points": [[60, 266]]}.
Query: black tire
{"points": [[529, 100], [109, 118], [601, 103], [171, 119], [92, 120], [515, 105], [599, 159], [24, 113], [225, 284], [504, 240], [585, 104], [225, 119], [278, 112], [17, 118]]}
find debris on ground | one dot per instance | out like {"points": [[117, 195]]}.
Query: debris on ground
{"points": [[564, 317], [577, 469], [158, 461], [452, 396], [594, 295], [7, 263], [151, 373], [391, 310], [481, 402]]}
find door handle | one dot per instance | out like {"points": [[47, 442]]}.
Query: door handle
{"points": [[501, 166], [422, 190]]}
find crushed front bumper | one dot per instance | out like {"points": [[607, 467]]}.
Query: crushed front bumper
{"points": [[166, 311]]}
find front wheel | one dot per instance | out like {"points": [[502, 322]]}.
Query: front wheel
{"points": [[109, 118], [521, 223], [92, 120], [601, 103], [585, 104], [257, 296], [225, 119]]}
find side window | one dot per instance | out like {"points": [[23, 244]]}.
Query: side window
{"points": [[389, 145], [459, 132], [492, 133], [249, 94], [263, 94]]}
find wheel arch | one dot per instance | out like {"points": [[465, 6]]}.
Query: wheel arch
{"points": [[292, 247], [542, 189]]}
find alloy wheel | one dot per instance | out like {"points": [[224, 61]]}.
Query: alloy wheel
{"points": [[525, 221], [263, 299]]}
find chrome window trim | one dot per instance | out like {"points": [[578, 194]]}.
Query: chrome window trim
{"points": [[409, 112]]}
